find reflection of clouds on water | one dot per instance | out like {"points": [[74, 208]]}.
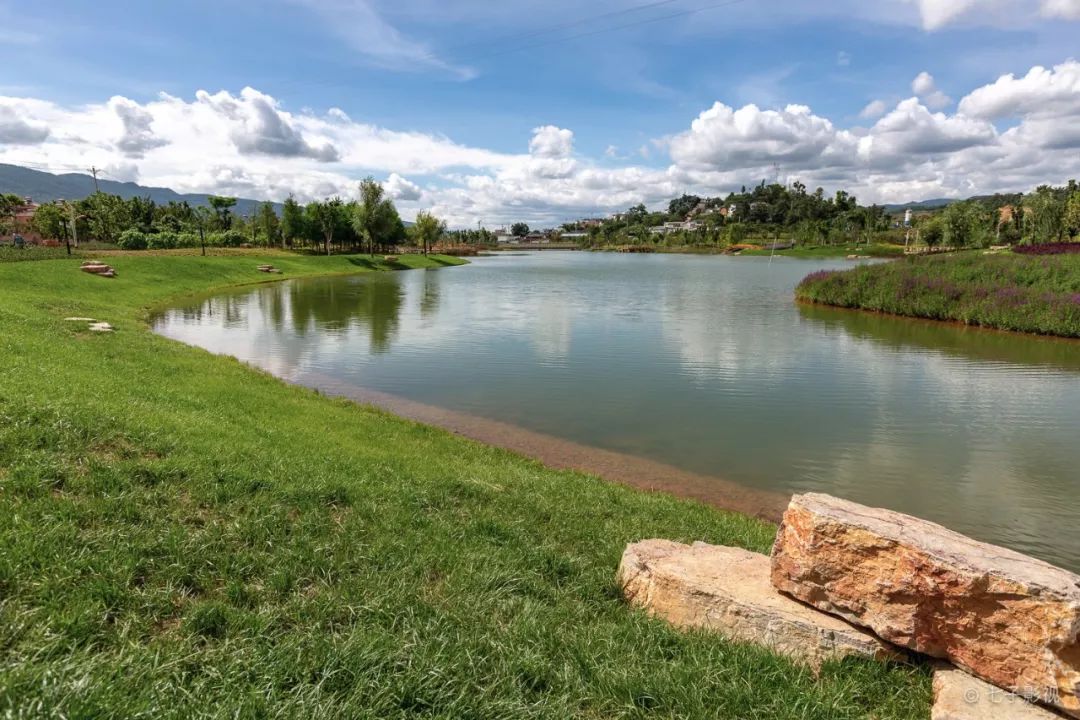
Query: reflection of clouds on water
{"points": [[733, 327], [981, 446], [551, 331], [702, 363]]}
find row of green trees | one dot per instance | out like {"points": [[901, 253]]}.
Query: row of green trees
{"points": [[371, 223], [791, 213], [768, 211], [1048, 214]]}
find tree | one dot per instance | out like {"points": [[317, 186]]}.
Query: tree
{"points": [[682, 206], [202, 217], [9, 205], [267, 221], [519, 229], [222, 207], [932, 231], [292, 221], [107, 216], [637, 214], [375, 219], [48, 221], [1047, 214], [967, 223], [428, 229], [140, 213], [326, 216], [1072, 214]]}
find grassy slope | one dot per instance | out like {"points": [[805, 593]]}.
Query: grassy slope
{"points": [[1004, 291], [186, 536]]}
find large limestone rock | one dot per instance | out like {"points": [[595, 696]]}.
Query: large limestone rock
{"points": [[1007, 618], [728, 590], [959, 696]]}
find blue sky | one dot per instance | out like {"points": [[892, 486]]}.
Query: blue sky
{"points": [[483, 80]]}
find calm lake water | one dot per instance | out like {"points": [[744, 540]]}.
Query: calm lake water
{"points": [[704, 364]]}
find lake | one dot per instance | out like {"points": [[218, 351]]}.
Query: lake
{"points": [[696, 374]]}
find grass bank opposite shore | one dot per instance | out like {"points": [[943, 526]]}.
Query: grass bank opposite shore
{"points": [[823, 252], [1033, 294], [185, 536]]}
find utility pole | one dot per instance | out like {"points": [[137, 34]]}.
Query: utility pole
{"points": [[94, 171]]}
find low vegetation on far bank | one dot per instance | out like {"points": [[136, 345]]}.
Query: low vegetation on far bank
{"points": [[1025, 293], [185, 536]]}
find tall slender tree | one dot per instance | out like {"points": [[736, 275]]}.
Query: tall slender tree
{"points": [[292, 221]]}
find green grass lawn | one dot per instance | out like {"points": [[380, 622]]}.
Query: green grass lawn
{"points": [[185, 536], [1034, 294]]}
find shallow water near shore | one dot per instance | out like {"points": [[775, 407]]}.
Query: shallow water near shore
{"points": [[694, 374]]}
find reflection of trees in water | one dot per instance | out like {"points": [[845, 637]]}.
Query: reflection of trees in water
{"points": [[954, 339], [232, 309], [332, 306], [429, 294], [271, 301]]}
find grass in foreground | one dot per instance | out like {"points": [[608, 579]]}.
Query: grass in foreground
{"points": [[1006, 291], [185, 536]]}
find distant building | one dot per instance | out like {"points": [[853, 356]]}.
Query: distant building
{"points": [[907, 218], [25, 213], [670, 227]]}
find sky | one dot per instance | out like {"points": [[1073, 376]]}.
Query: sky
{"points": [[546, 110]]}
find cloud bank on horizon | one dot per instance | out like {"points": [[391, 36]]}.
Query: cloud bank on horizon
{"points": [[911, 141]]}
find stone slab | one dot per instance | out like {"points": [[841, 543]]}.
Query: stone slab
{"points": [[728, 590]]}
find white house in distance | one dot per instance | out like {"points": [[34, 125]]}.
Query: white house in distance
{"points": [[670, 227]]}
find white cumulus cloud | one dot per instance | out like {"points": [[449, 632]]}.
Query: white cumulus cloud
{"points": [[1039, 92], [1067, 9], [874, 109], [1009, 134], [925, 88], [401, 189]]}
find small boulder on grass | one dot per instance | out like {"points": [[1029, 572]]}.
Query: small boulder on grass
{"points": [[100, 269]]}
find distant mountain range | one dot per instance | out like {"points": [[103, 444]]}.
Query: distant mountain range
{"points": [[44, 186], [922, 205]]}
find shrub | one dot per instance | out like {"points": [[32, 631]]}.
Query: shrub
{"points": [[229, 238], [132, 239], [1065, 248], [165, 240]]}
